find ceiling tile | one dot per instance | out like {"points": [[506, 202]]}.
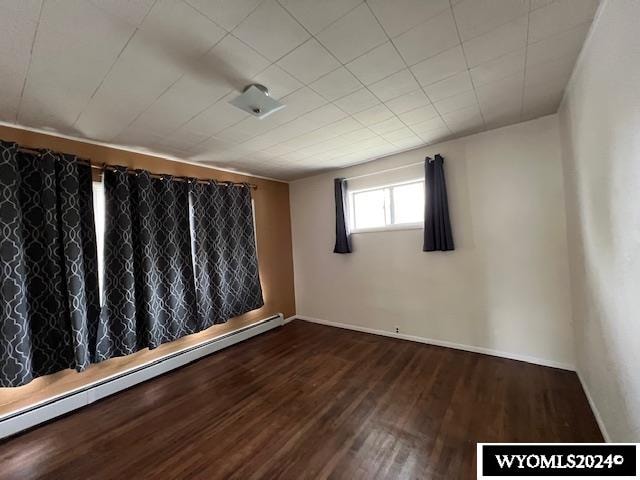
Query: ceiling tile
{"points": [[456, 102], [184, 139], [398, 16], [498, 68], [178, 32], [428, 39], [354, 34], [557, 71], [408, 142], [138, 137], [387, 126], [226, 13], [507, 38], [407, 102], [336, 84], [231, 62], [435, 135], [168, 89], [394, 85], [357, 101], [237, 133], [315, 15], [215, 146], [495, 92], [440, 66], [259, 27], [28, 10], [565, 44], [430, 125], [498, 112], [377, 64], [358, 135], [373, 115], [298, 103], [559, 16], [343, 126], [279, 82], [461, 120], [399, 134], [418, 115], [18, 29], [130, 12], [70, 35], [458, 83], [322, 147], [541, 99], [535, 4], [475, 17], [322, 116], [216, 118], [181, 102], [171, 39], [309, 62]]}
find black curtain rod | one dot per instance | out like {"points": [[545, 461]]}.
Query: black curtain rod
{"points": [[179, 178]]}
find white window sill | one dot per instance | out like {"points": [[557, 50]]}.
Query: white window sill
{"points": [[390, 228]]}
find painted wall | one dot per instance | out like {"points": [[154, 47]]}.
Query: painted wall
{"points": [[273, 236], [600, 126], [505, 288]]}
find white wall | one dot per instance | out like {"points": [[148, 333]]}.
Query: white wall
{"points": [[505, 288], [600, 120]]}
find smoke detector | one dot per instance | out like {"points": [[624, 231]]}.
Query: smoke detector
{"points": [[255, 99]]}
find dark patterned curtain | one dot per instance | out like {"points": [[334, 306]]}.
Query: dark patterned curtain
{"points": [[437, 226], [226, 263], [343, 237], [149, 293], [49, 286]]}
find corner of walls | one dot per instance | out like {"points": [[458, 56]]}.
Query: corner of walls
{"points": [[498, 291], [600, 137]]}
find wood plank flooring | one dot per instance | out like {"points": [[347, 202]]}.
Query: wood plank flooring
{"points": [[310, 401]]}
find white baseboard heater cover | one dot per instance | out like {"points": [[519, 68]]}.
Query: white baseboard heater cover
{"points": [[18, 421]]}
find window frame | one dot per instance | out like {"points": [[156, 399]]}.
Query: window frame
{"points": [[391, 214]]}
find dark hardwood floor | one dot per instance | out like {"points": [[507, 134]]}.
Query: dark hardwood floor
{"points": [[309, 401]]}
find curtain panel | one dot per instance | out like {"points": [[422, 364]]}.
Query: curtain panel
{"points": [[224, 252], [437, 226], [343, 238], [49, 284], [149, 291]]}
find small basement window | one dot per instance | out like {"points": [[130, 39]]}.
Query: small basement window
{"points": [[389, 207]]}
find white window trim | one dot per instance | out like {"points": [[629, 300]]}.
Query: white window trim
{"points": [[390, 228], [385, 228]]}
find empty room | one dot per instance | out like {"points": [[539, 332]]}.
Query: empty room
{"points": [[319, 239]]}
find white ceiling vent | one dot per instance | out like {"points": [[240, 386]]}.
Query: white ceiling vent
{"points": [[255, 100]]}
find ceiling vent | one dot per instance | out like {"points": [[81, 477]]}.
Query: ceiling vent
{"points": [[255, 100]]}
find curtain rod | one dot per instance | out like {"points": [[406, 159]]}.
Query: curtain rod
{"points": [[179, 178], [394, 168], [385, 170]]}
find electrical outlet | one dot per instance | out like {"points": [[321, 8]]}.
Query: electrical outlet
{"points": [[397, 330]]}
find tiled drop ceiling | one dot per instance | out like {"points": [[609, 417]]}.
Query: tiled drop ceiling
{"points": [[360, 80]]}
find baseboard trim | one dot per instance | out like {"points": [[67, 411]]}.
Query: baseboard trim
{"points": [[288, 319], [442, 343], [55, 407], [594, 409]]}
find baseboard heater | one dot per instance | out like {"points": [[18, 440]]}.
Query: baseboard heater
{"points": [[49, 409]]}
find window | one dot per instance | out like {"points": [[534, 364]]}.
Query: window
{"points": [[99, 213], [388, 207], [99, 217]]}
